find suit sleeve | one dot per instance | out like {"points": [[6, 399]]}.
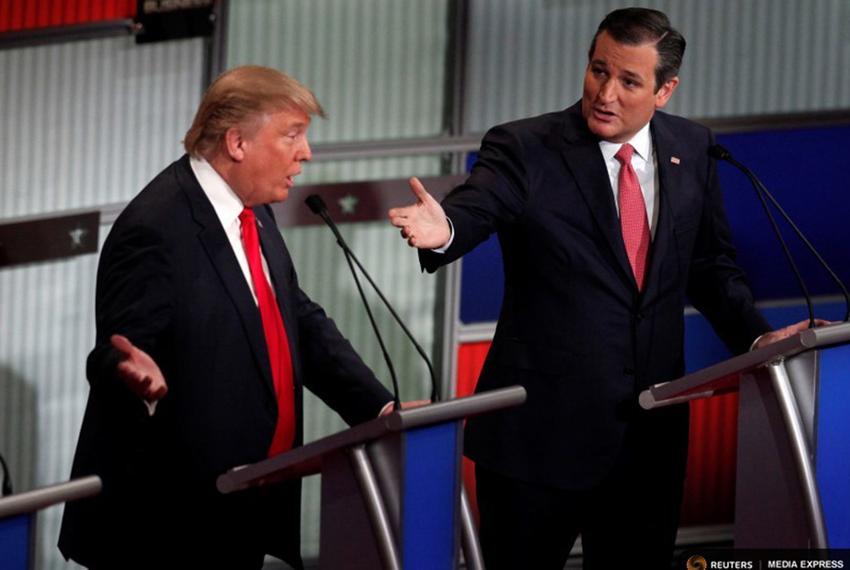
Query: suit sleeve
{"points": [[133, 298], [717, 286], [494, 194], [332, 368]]}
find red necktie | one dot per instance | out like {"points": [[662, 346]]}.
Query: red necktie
{"points": [[633, 220], [276, 341]]}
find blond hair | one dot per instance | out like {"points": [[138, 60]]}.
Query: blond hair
{"points": [[240, 95]]}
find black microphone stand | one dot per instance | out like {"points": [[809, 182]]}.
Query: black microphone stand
{"points": [[7, 481], [318, 207], [720, 153]]}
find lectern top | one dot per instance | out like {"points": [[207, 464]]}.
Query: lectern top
{"points": [[307, 460], [723, 376]]}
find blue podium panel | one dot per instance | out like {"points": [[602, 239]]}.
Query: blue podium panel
{"points": [[16, 542], [430, 497], [833, 444]]}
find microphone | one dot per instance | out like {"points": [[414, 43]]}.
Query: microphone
{"points": [[720, 153], [318, 207], [7, 481]]}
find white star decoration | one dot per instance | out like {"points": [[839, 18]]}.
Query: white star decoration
{"points": [[77, 235], [348, 203]]}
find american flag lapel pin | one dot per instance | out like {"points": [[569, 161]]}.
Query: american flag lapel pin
{"points": [[675, 159]]}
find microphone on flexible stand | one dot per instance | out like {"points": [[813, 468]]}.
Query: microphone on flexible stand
{"points": [[7, 481], [318, 207], [720, 153]]}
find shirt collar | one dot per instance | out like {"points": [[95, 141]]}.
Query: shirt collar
{"points": [[225, 202], [642, 143]]}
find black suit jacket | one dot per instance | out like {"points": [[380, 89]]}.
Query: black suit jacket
{"points": [[574, 330], [168, 279]]}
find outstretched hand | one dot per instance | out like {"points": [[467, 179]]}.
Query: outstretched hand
{"points": [[138, 370], [423, 224], [790, 330]]}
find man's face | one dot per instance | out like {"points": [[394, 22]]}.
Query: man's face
{"points": [[272, 152], [619, 89]]}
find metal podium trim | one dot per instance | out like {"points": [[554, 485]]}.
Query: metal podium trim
{"points": [[375, 507], [800, 451]]}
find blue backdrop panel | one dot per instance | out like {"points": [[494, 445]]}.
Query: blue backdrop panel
{"points": [[806, 170], [431, 487], [802, 169], [16, 543], [703, 348], [833, 445]]}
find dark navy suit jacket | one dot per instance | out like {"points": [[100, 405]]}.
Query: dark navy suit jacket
{"points": [[168, 279], [574, 330]]}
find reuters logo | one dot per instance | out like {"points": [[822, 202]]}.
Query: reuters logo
{"points": [[697, 563]]}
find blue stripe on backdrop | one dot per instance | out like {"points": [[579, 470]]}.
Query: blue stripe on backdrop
{"points": [[800, 167], [806, 170]]}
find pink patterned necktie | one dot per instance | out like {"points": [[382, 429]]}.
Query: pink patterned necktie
{"points": [[280, 358], [633, 221]]}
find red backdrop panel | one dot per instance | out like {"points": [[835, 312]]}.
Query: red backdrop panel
{"points": [[710, 485], [30, 14]]}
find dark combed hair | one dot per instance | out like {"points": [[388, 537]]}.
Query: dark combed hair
{"points": [[636, 26]]}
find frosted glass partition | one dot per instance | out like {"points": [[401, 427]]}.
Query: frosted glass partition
{"points": [[377, 66], [89, 123]]}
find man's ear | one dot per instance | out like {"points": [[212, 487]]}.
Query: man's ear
{"points": [[234, 144], [663, 95]]}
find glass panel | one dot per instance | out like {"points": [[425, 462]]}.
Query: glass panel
{"points": [[377, 66]]}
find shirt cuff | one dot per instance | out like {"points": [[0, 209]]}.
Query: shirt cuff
{"points": [[451, 238], [386, 409], [756, 341]]}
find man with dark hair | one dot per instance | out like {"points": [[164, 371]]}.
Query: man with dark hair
{"points": [[204, 344], [609, 216]]}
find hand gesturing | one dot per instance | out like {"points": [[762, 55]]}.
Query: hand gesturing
{"points": [[138, 370], [423, 224]]}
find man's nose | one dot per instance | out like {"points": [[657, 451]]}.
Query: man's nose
{"points": [[607, 91], [306, 153]]}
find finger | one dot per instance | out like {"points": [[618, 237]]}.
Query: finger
{"points": [[161, 392], [145, 383], [419, 190], [400, 217], [122, 344]]}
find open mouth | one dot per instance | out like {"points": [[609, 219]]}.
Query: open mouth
{"points": [[603, 115]]}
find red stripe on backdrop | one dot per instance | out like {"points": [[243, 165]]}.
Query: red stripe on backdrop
{"points": [[32, 14], [470, 360], [710, 485], [710, 480]]}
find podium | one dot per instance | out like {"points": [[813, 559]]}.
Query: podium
{"points": [[17, 518], [391, 487], [793, 457]]}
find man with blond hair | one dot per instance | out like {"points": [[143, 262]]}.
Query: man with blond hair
{"points": [[204, 342]]}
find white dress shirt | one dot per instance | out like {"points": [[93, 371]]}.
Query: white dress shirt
{"points": [[227, 206], [644, 163]]}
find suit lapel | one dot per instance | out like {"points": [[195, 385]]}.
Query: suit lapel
{"points": [[215, 243], [584, 159], [669, 179]]}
